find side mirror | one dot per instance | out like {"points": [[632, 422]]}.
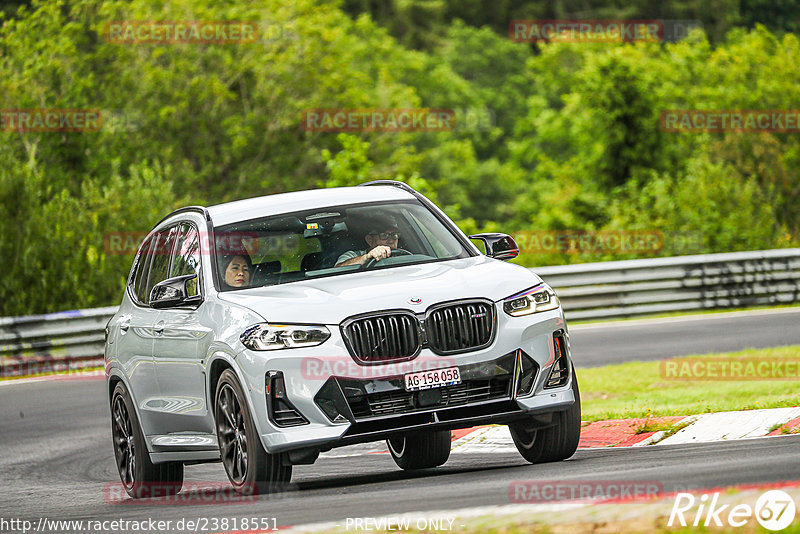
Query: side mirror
{"points": [[174, 292], [498, 246]]}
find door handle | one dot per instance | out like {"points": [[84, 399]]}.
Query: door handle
{"points": [[159, 328]]}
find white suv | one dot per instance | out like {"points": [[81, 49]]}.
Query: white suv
{"points": [[265, 331]]}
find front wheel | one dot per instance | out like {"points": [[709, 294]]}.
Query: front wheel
{"points": [[556, 442], [420, 450], [140, 477], [249, 467]]}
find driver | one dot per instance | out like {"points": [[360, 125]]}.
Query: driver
{"points": [[382, 239]]}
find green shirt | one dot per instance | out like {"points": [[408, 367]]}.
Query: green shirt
{"points": [[349, 255]]}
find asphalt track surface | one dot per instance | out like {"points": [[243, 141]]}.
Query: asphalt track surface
{"points": [[596, 344], [56, 460]]}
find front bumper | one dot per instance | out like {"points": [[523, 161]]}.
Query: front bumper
{"points": [[345, 403]]}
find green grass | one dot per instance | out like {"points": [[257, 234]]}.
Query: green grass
{"points": [[637, 389], [655, 425], [686, 313], [689, 313]]}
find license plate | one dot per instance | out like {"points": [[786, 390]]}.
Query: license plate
{"points": [[432, 379]]}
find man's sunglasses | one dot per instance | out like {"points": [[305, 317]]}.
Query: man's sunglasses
{"points": [[385, 236]]}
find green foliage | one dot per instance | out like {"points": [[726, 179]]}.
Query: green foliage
{"points": [[414, 22], [350, 166], [547, 137], [707, 200], [61, 242]]}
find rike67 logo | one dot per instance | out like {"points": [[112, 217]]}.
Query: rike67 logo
{"points": [[774, 510]]}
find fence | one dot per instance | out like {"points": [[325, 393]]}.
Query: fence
{"points": [[74, 339], [41, 344], [634, 288]]}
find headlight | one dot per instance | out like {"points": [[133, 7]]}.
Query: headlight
{"points": [[265, 336], [536, 299]]}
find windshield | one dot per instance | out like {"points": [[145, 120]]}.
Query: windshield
{"points": [[330, 241]]}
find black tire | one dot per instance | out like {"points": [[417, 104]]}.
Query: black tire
{"points": [[249, 467], [420, 450], [554, 443], [140, 477]]}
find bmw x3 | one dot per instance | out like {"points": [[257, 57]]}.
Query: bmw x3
{"points": [[265, 331]]}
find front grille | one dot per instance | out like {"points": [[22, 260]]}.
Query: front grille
{"points": [[460, 326], [401, 402], [396, 335], [385, 338]]}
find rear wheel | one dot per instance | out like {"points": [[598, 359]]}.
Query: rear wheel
{"points": [[140, 477], [249, 467], [554, 443], [420, 450]]}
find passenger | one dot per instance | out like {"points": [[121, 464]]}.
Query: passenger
{"points": [[382, 239], [236, 270]]}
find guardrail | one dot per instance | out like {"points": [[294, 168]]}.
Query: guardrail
{"points": [[74, 339], [43, 344], [632, 288]]}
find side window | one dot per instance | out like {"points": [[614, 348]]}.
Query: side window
{"points": [[139, 277], [187, 256], [161, 253]]}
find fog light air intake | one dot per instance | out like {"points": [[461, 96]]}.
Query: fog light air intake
{"points": [[526, 373], [331, 401], [281, 411], [559, 372]]}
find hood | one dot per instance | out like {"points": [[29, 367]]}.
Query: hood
{"points": [[330, 300]]}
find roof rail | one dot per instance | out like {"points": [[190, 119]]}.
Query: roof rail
{"points": [[199, 209], [396, 183]]}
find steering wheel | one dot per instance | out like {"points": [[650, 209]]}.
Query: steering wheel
{"points": [[395, 252]]}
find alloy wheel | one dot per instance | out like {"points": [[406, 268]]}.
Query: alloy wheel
{"points": [[232, 434], [124, 446]]}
